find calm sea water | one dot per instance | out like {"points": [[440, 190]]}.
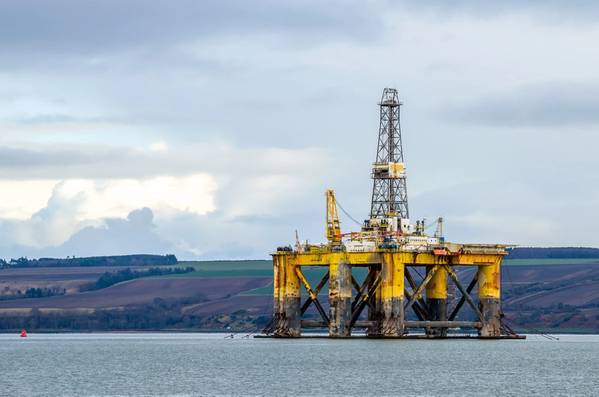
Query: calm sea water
{"points": [[200, 364]]}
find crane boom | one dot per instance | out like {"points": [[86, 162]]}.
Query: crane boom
{"points": [[333, 224]]}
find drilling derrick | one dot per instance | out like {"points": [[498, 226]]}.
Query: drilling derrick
{"points": [[389, 192], [389, 278]]}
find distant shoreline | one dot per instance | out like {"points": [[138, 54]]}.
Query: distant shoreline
{"points": [[237, 332]]}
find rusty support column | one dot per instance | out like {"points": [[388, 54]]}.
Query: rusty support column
{"points": [[286, 298], [489, 295], [375, 310], [436, 300], [340, 297], [392, 296]]}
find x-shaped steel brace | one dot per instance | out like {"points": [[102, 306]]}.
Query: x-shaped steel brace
{"points": [[420, 306], [465, 292], [313, 294], [360, 290], [420, 312], [364, 298], [421, 287], [462, 300]]}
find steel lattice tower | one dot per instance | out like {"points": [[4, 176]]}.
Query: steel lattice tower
{"points": [[389, 192]]}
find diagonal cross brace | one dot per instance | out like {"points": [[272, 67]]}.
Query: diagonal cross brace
{"points": [[313, 294], [421, 287], [462, 300], [319, 287], [420, 313], [364, 299], [420, 304], [355, 284], [361, 288], [465, 293]]}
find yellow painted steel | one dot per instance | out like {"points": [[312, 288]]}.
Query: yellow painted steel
{"points": [[392, 276], [429, 274], [388, 315], [337, 287], [333, 225], [279, 267], [397, 170], [333, 279], [489, 280], [292, 282], [275, 277], [437, 287], [487, 259], [325, 257], [305, 282]]}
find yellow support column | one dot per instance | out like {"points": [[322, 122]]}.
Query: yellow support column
{"points": [[392, 296], [436, 300], [489, 295], [340, 296], [286, 302]]}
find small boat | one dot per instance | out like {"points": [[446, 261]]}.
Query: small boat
{"points": [[23, 333]]}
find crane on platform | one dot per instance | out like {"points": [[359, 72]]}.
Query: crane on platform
{"points": [[333, 224]]}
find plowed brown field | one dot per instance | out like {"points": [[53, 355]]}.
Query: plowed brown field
{"points": [[142, 291]]}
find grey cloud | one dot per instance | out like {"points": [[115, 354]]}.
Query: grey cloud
{"points": [[114, 162], [87, 27], [123, 236], [256, 219], [555, 10], [213, 236], [59, 118], [37, 163], [550, 104], [133, 235]]}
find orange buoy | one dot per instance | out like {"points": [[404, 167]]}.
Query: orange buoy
{"points": [[23, 333]]}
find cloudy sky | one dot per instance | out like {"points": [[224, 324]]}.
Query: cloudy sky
{"points": [[211, 129]]}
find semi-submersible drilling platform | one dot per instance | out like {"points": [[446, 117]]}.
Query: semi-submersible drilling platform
{"points": [[394, 297]]}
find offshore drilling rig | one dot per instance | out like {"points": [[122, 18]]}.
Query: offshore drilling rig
{"points": [[391, 301]]}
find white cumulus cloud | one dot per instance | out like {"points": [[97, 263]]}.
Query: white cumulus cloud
{"points": [[72, 204]]}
